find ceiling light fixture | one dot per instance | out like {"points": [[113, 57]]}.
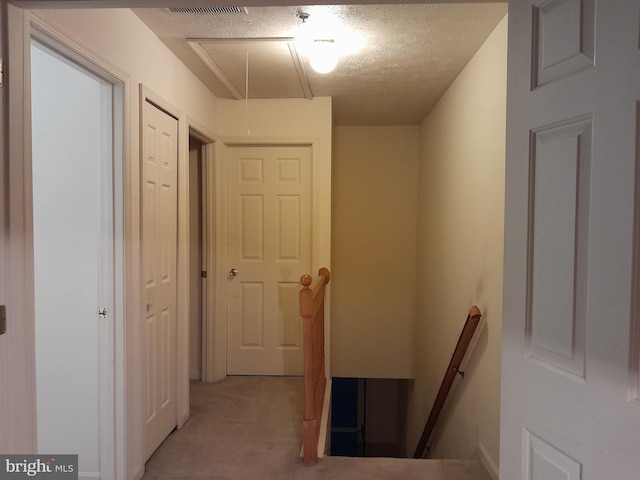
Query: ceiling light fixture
{"points": [[323, 56], [304, 16], [321, 52]]}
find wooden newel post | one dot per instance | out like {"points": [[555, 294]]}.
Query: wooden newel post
{"points": [[312, 313], [310, 422]]}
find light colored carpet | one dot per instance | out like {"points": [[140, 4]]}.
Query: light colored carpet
{"points": [[250, 428]]}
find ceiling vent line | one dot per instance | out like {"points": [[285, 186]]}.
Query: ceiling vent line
{"points": [[210, 10]]}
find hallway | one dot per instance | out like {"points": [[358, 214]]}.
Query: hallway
{"points": [[250, 428]]}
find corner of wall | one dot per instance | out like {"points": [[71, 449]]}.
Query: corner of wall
{"points": [[462, 146]]}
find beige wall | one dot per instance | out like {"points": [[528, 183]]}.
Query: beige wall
{"points": [[460, 247], [122, 39], [374, 246], [119, 38]]}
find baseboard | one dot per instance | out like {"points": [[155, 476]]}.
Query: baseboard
{"points": [[488, 463]]}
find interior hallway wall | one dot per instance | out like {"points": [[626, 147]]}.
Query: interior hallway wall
{"points": [[119, 37], [374, 249], [459, 256]]}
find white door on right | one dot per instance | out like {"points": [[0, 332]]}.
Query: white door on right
{"points": [[571, 337]]}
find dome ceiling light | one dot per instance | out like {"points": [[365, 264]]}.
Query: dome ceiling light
{"points": [[324, 43], [323, 56]]}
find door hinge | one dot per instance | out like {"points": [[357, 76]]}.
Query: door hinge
{"points": [[1, 72], [3, 319], [102, 312], [203, 274]]}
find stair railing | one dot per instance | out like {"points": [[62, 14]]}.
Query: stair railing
{"points": [[468, 331], [312, 297]]}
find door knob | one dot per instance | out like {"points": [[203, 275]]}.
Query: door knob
{"points": [[233, 272]]}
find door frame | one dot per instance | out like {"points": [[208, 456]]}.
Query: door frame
{"points": [[25, 26], [208, 180], [218, 206]]}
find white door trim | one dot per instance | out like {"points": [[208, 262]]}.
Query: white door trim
{"points": [[24, 27], [209, 141], [5, 359], [219, 241], [19, 425]]}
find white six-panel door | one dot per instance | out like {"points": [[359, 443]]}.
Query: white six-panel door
{"points": [[159, 240], [570, 402], [269, 244]]}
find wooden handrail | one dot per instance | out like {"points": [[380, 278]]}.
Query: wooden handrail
{"points": [[470, 326], [312, 312]]}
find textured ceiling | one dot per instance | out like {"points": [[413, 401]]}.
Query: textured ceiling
{"points": [[412, 53]]}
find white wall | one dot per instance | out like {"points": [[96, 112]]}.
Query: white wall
{"points": [[119, 38], [374, 248], [460, 248]]}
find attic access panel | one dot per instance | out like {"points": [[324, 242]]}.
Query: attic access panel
{"points": [[274, 65]]}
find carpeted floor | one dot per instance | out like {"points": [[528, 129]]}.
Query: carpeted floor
{"points": [[250, 428]]}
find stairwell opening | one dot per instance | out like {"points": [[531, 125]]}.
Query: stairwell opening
{"points": [[369, 417]]}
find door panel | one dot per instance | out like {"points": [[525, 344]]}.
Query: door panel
{"points": [[574, 85], [73, 259], [269, 243], [159, 245]]}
